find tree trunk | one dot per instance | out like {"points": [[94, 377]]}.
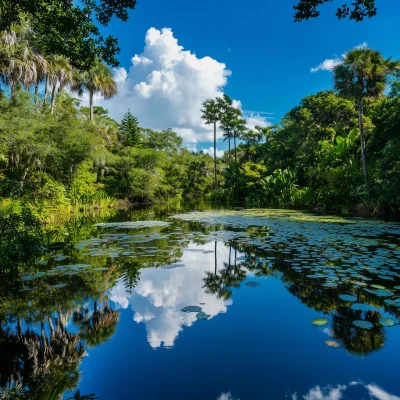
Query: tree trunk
{"points": [[234, 144], [215, 259], [12, 88], [36, 91], [51, 326], [46, 91], [229, 147], [362, 140], [215, 156], [91, 104], [53, 98]]}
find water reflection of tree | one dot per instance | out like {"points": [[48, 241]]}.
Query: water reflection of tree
{"points": [[98, 327], [46, 364], [358, 341], [221, 282]]}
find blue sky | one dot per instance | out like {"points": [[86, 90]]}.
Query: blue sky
{"points": [[270, 56]]}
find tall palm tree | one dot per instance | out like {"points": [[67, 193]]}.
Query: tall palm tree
{"points": [[99, 79], [363, 73], [212, 114], [19, 64], [239, 127], [228, 113]]}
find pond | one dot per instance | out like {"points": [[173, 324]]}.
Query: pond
{"points": [[190, 302]]}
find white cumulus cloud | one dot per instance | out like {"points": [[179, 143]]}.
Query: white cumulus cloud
{"points": [[330, 63], [327, 65], [165, 87], [329, 393]]}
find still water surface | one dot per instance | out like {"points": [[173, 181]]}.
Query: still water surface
{"points": [[104, 314]]}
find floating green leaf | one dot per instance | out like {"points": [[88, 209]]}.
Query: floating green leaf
{"points": [[332, 343], [348, 297], [363, 324], [190, 309], [320, 321], [203, 315]]}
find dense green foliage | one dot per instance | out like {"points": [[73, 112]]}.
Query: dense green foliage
{"points": [[61, 157], [314, 157], [68, 28]]}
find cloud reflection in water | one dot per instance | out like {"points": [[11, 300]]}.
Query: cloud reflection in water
{"points": [[160, 295]]}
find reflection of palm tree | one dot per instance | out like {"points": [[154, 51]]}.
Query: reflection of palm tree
{"points": [[47, 366], [99, 327], [358, 341]]}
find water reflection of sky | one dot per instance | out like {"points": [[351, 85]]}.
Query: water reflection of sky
{"points": [[258, 345], [160, 295]]}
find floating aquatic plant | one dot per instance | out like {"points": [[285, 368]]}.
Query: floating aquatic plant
{"points": [[320, 321], [332, 343], [363, 324], [202, 315], [190, 309]]}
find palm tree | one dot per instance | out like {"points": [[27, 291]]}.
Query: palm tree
{"points": [[239, 127], [19, 64], [212, 114], [98, 79], [363, 73], [228, 113], [59, 73]]}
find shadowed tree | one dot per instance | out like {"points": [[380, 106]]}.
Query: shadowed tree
{"points": [[363, 73]]}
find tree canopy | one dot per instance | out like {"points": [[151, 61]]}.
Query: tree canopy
{"points": [[66, 28], [356, 10]]}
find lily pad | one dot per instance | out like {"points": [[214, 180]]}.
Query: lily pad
{"points": [[363, 324], [190, 309], [332, 343], [320, 321], [59, 286], [252, 284], [388, 322], [348, 297], [202, 315], [361, 307]]}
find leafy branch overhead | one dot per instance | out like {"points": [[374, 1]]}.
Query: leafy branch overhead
{"points": [[356, 10], [65, 28]]}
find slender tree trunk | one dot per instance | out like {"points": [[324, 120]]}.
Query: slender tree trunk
{"points": [[91, 104], [46, 91], [51, 326], [36, 95], [53, 98], [362, 140], [19, 327], [229, 147], [215, 259], [12, 88], [230, 251], [215, 156], [234, 144]]}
